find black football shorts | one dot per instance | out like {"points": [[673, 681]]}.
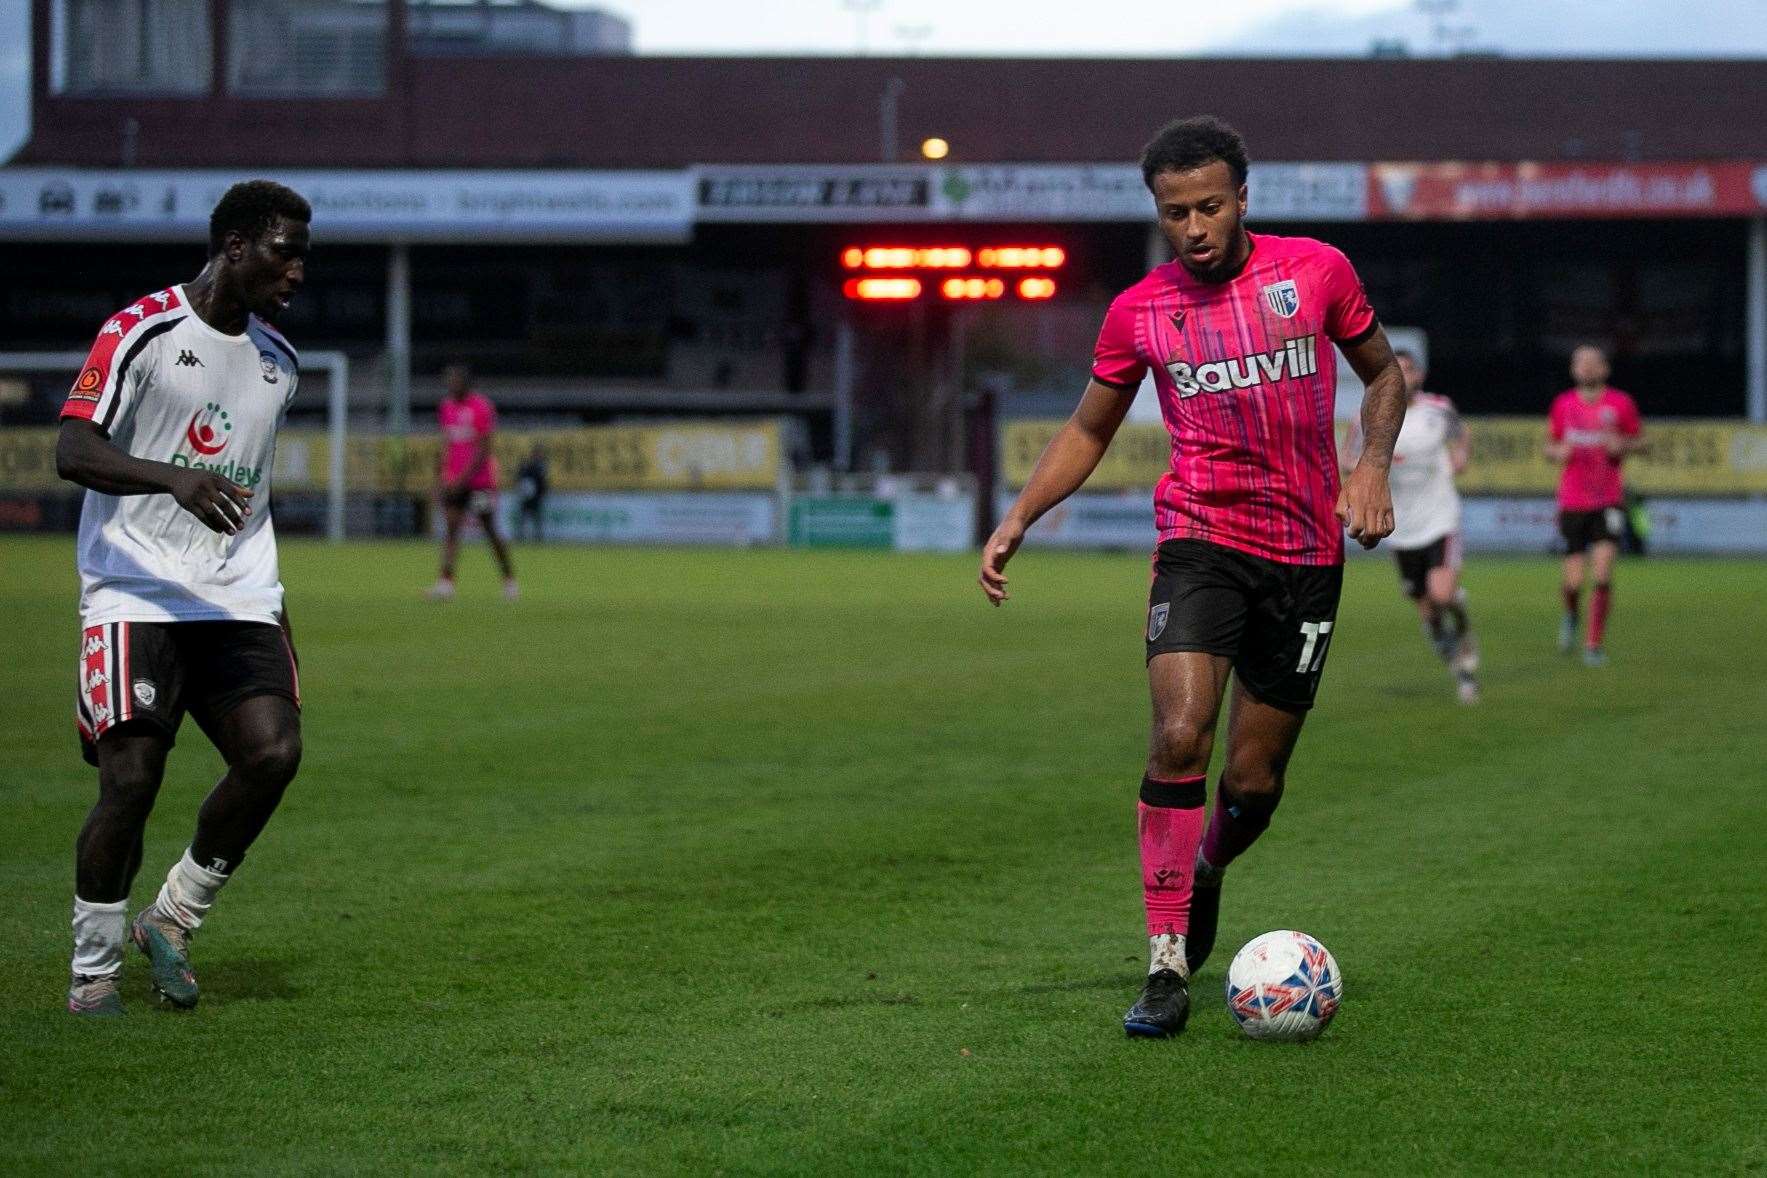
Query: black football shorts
{"points": [[1581, 529], [1273, 620], [1416, 564], [154, 672]]}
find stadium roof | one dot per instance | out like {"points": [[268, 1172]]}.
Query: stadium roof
{"points": [[660, 112]]}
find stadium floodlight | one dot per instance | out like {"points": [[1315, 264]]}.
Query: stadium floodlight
{"points": [[897, 261], [935, 148], [906, 257], [1022, 257], [972, 288], [882, 289]]}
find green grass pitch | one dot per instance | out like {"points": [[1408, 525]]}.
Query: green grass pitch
{"points": [[744, 862]]}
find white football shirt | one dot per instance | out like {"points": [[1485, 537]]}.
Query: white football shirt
{"points": [[166, 386], [1426, 505]]}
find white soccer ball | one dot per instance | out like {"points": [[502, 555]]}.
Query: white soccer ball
{"points": [[1284, 986]]}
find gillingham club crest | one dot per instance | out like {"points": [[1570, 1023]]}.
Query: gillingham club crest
{"points": [[1283, 298]]}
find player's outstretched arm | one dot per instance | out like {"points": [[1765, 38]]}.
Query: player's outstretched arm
{"points": [[1366, 502], [1067, 462], [1459, 446], [480, 456], [83, 455], [1619, 445]]}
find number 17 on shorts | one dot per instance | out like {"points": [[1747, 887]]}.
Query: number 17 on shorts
{"points": [[1315, 637]]}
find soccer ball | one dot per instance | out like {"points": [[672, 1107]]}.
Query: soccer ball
{"points": [[1284, 986]]}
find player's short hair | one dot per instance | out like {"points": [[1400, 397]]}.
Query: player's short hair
{"points": [[1592, 346], [1186, 144], [249, 208]]}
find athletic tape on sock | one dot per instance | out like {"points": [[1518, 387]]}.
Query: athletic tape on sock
{"points": [[1184, 794]]}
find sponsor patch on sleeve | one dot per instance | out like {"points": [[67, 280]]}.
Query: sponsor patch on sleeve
{"points": [[89, 386]]}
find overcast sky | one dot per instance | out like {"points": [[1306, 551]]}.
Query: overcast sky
{"points": [[1129, 28]]}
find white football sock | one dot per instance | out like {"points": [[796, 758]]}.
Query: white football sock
{"points": [[188, 893], [98, 937], [1166, 951]]}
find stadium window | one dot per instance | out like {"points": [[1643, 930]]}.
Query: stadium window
{"points": [[476, 28], [130, 47], [307, 47]]}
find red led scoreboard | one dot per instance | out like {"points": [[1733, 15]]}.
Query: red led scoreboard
{"points": [[955, 273]]}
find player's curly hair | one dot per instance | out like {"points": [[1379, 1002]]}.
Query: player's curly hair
{"points": [[250, 206], [1185, 144]]}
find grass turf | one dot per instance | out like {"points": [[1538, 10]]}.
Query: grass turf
{"points": [[760, 861]]}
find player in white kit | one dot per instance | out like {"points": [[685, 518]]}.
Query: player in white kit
{"points": [[171, 428], [1431, 450]]}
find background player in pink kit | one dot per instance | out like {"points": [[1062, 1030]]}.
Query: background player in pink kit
{"points": [[467, 477], [1591, 430], [1251, 517]]}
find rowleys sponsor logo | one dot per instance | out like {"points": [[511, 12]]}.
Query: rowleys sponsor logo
{"points": [[207, 434], [208, 430], [245, 476], [1295, 358]]}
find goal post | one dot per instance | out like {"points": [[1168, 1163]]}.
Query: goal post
{"points": [[335, 366]]}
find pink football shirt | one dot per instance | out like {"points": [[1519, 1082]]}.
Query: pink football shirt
{"points": [[1591, 478], [1247, 382], [464, 422]]}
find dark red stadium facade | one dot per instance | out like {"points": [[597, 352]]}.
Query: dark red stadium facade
{"points": [[1508, 207]]}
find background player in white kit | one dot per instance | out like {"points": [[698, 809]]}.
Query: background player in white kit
{"points": [[1431, 450], [171, 427]]}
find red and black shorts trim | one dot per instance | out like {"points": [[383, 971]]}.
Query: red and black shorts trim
{"points": [[1416, 564], [1274, 620], [153, 672], [1582, 529]]}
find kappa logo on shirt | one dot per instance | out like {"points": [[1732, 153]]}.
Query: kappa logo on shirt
{"points": [[189, 359]]}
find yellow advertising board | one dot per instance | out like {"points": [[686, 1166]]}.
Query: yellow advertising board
{"points": [[27, 460], [678, 457], [1685, 457], [1136, 460]]}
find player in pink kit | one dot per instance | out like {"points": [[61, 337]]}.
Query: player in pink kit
{"points": [[1592, 428], [468, 477], [1238, 334]]}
